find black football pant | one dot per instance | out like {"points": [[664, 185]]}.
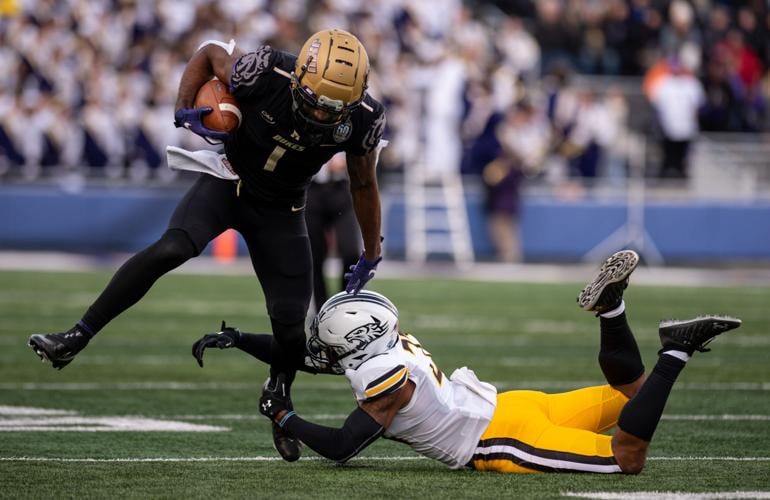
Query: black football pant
{"points": [[280, 254], [330, 207]]}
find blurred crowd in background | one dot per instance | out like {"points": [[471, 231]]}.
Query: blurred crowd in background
{"points": [[499, 89]]}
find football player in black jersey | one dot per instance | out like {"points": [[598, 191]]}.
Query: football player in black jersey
{"points": [[298, 111]]}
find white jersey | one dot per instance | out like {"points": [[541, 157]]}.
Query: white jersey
{"points": [[446, 416]]}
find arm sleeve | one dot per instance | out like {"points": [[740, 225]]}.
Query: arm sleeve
{"points": [[340, 445], [258, 345]]}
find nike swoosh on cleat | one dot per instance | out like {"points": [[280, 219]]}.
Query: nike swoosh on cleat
{"points": [[297, 209]]}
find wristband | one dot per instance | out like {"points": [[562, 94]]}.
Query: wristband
{"points": [[285, 418]]}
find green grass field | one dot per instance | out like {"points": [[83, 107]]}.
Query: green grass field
{"points": [[715, 436]]}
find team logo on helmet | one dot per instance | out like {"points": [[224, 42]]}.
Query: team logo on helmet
{"points": [[312, 55], [366, 334], [342, 132]]}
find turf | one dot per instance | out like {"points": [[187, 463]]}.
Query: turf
{"points": [[516, 335]]}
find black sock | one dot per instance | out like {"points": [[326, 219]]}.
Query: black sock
{"points": [[85, 328], [619, 356], [642, 413]]}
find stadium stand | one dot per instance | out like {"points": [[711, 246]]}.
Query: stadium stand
{"points": [[88, 104]]}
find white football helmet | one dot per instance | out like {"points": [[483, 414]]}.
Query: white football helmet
{"points": [[349, 329]]}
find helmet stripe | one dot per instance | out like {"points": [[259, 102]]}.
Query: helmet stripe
{"points": [[360, 297]]}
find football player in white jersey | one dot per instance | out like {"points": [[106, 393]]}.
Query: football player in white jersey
{"points": [[463, 422]]}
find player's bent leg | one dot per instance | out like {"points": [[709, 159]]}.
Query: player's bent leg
{"points": [[521, 438], [630, 452], [680, 340], [203, 212], [594, 409], [129, 284], [619, 356], [135, 278]]}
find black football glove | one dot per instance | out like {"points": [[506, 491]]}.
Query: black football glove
{"points": [[224, 339], [275, 398]]}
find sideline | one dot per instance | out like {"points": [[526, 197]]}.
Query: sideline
{"points": [[394, 269]]}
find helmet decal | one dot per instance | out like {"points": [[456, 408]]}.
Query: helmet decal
{"points": [[366, 334], [349, 329], [328, 83], [312, 56], [342, 132]]}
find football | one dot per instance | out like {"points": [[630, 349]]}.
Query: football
{"points": [[225, 115]]}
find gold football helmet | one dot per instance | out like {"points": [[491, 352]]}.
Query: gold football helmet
{"points": [[329, 79]]}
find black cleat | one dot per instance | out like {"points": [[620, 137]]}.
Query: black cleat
{"points": [[605, 291], [288, 447], [59, 348], [692, 335]]}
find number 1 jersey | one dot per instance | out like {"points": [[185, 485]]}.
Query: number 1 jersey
{"points": [[274, 160]]}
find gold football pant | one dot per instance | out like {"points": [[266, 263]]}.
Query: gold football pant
{"points": [[536, 432]]}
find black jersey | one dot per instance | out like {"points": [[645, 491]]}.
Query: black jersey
{"points": [[275, 163]]}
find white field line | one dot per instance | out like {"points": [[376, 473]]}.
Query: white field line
{"points": [[30, 411], [252, 416], [723, 417], [279, 459], [666, 495], [26, 418], [340, 386], [101, 424]]}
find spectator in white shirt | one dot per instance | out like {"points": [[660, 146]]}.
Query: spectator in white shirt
{"points": [[677, 97]]}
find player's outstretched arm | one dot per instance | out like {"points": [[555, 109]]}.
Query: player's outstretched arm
{"points": [[366, 200], [366, 203], [257, 345], [362, 427]]}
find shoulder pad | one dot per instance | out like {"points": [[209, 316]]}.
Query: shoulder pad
{"points": [[248, 68], [378, 376]]}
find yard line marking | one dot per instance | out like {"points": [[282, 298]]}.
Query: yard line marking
{"points": [[102, 424], [666, 495], [736, 418], [578, 384], [252, 416], [31, 411], [342, 385], [396, 458], [25, 419], [712, 459]]}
